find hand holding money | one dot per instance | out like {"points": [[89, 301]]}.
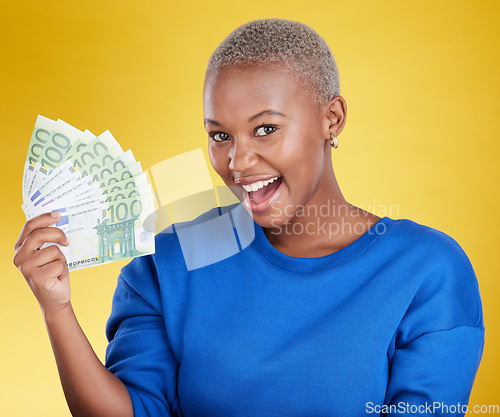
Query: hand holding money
{"points": [[105, 201], [45, 270]]}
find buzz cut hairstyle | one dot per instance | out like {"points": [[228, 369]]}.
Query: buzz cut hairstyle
{"points": [[291, 45]]}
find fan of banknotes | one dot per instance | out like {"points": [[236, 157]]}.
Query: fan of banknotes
{"points": [[104, 198]]}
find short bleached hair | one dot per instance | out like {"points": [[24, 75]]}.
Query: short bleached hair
{"points": [[292, 45]]}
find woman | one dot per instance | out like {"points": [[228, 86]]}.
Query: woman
{"points": [[329, 311]]}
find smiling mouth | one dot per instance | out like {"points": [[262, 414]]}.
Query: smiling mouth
{"points": [[261, 194]]}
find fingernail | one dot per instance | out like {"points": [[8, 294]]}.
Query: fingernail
{"points": [[67, 240], [55, 214]]}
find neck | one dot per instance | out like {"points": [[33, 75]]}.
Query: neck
{"points": [[326, 224]]}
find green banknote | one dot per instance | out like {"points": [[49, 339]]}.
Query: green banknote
{"points": [[83, 140], [96, 154], [39, 137], [107, 231], [60, 140], [103, 195]]}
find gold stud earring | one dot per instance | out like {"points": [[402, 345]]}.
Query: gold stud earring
{"points": [[334, 142]]}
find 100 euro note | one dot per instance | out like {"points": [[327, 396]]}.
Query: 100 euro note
{"points": [[41, 133], [58, 143], [87, 158], [92, 164], [105, 230], [103, 194], [115, 226]]}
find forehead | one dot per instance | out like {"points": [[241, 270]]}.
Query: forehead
{"points": [[249, 88]]}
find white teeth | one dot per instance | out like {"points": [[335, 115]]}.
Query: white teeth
{"points": [[258, 184]]}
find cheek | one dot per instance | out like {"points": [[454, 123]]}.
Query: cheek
{"points": [[219, 160], [302, 152]]}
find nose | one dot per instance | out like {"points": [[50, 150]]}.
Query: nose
{"points": [[242, 155]]}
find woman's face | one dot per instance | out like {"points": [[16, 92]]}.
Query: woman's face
{"points": [[264, 125]]}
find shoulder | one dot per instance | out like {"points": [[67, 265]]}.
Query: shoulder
{"points": [[429, 244], [447, 290], [431, 263]]}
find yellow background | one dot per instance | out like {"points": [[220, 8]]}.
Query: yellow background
{"points": [[420, 80]]}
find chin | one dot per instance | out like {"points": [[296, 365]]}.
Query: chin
{"points": [[272, 218]]}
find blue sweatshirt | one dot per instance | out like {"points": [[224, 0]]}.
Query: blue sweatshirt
{"points": [[391, 323]]}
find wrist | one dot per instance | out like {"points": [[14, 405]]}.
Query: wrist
{"points": [[55, 312]]}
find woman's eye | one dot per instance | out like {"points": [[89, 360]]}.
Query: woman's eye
{"points": [[265, 130], [219, 136]]}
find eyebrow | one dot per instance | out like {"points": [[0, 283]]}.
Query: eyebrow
{"points": [[211, 122], [270, 112], [250, 119]]}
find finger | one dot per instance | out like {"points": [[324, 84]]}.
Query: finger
{"points": [[47, 255], [40, 236], [37, 222], [27, 262], [56, 269], [35, 240]]}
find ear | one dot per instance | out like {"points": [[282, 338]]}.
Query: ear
{"points": [[335, 112]]}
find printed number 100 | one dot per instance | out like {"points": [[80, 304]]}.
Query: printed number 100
{"points": [[122, 211]]}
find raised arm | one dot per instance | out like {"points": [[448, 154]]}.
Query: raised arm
{"points": [[91, 390]]}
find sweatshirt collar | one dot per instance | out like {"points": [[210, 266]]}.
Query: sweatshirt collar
{"points": [[307, 265]]}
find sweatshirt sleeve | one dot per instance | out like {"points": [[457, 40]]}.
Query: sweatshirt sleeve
{"points": [[139, 351], [438, 345]]}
